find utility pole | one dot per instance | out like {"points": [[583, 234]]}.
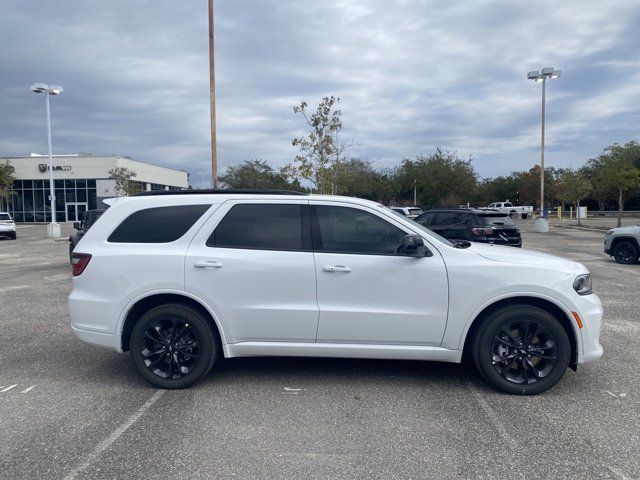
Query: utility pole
{"points": [[212, 95]]}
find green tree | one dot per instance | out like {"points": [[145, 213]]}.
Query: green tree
{"points": [[441, 179], [6, 183], [125, 185], [616, 170], [257, 174], [321, 150], [574, 186]]}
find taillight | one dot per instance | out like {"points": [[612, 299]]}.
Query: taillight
{"points": [[482, 231], [79, 261]]}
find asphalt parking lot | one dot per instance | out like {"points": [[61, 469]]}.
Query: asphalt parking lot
{"points": [[71, 410]]}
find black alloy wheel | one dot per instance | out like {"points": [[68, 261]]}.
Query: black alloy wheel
{"points": [[173, 346], [522, 350], [625, 252]]}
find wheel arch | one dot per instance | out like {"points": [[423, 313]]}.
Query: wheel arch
{"points": [[628, 238], [155, 299], [558, 312]]}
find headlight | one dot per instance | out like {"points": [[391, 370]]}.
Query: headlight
{"points": [[582, 284], [609, 232]]}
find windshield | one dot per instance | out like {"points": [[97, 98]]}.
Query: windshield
{"points": [[4, 216], [421, 227]]}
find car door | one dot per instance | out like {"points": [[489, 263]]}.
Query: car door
{"points": [[252, 263], [367, 292]]}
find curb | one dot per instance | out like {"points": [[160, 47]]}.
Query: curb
{"points": [[587, 229]]}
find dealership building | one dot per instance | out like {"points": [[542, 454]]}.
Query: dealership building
{"points": [[81, 183]]}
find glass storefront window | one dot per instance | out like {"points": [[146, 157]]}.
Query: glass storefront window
{"points": [[69, 184], [58, 183], [38, 200], [70, 195], [81, 195]]}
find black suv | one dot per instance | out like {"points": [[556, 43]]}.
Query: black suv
{"points": [[473, 224], [88, 218]]}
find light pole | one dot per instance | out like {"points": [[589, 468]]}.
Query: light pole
{"points": [[53, 229], [202, 177], [212, 100], [542, 225]]}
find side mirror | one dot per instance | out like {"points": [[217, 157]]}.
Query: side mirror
{"points": [[413, 246], [77, 225]]}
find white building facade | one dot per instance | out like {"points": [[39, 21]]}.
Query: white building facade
{"points": [[81, 182]]}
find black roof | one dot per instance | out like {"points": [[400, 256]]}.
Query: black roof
{"points": [[201, 191]]}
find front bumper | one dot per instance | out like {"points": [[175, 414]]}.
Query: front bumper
{"points": [[590, 311]]}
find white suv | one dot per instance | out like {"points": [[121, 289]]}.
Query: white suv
{"points": [[181, 278], [7, 226]]}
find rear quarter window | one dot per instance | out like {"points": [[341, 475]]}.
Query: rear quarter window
{"points": [[158, 224]]}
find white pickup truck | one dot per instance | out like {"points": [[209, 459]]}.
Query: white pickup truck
{"points": [[508, 207]]}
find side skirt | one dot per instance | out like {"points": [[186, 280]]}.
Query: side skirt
{"points": [[341, 350]]}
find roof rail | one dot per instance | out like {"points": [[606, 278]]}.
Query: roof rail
{"points": [[207, 191]]}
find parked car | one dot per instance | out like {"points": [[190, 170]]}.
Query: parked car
{"points": [[511, 209], [623, 244], [89, 217], [7, 226], [182, 278], [409, 212], [473, 224]]}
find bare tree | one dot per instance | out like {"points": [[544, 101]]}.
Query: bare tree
{"points": [[321, 150]]}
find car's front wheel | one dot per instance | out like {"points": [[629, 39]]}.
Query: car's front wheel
{"points": [[625, 252], [173, 346], [522, 350]]}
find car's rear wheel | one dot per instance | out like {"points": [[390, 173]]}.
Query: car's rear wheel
{"points": [[522, 350], [625, 252], [173, 346]]}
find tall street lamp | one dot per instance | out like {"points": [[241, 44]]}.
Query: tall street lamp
{"points": [[542, 225], [53, 229]]}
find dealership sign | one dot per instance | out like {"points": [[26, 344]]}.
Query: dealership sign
{"points": [[43, 167]]}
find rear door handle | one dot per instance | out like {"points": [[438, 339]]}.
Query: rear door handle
{"points": [[336, 268], [208, 263]]}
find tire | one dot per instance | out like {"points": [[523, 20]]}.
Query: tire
{"points": [[537, 366], [177, 363], [625, 252], [14, 236]]}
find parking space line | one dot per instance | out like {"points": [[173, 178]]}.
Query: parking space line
{"points": [[107, 442], [27, 390], [493, 417], [8, 388]]}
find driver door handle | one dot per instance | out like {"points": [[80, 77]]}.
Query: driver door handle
{"points": [[207, 263], [336, 268]]}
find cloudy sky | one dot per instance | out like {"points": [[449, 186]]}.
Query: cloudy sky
{"points": [[412, 75]]}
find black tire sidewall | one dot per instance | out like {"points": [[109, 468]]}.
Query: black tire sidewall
{"points": [[484, 338], [206, 339], [621, 260]]}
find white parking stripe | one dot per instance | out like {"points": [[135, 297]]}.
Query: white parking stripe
{"points": [[27, 390], [107, 442], [8, 388]]}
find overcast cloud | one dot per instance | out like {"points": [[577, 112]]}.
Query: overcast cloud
{"points": [[412, 75]]}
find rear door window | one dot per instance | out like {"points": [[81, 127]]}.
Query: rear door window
{"points": [[263, 227], [158, 224]]}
